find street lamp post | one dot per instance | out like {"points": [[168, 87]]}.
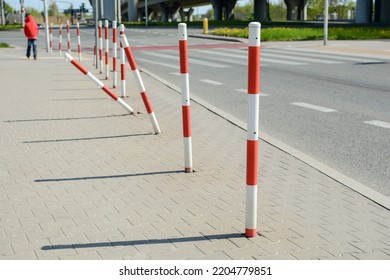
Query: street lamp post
{"points": [[326, 8]]}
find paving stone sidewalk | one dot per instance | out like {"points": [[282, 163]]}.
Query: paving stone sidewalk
{"points": [[81, 179]]}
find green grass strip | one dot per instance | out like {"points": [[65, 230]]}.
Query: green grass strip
{"points": [[300, 34], [10, 27], [4, 45]]}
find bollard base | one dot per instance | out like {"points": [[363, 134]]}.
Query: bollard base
{"points": [[249, 233], [188, 170]]}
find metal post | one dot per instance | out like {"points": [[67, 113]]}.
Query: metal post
{"points": [[46, 26], [22, 12], [252, 130], [146, 13], [185, 97], [78, 41], [123, 63], [326, 8], [96, 32], [140, 83], [107, 48], [114, 52]]}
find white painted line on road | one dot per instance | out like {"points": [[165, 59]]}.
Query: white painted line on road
{"points": [[159, 63], [379, 123], [194, 61], [302, 59], [243, 90], [175, 73], [281, 61], [211, 82], [314, 107]]}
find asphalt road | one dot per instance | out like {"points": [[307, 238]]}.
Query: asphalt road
{"points": [[334, 108]]}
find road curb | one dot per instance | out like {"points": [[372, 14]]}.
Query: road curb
{"points": [[350, 183]]}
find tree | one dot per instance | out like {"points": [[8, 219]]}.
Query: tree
{"points": [[277, 10], [53, 9], [244, 12], [32, 11], [8, 8]]}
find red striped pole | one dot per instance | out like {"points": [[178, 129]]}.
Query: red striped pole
{"points": [[252, 129], [123, 63], [114, 53], [94, 56], [107, 48], [140, 83], [51, 38], [100, 47], [68, 32], [99, 83], [185, 97], [78, 41], [60, 42]]}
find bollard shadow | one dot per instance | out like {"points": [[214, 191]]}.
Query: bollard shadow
{"points": [[372, 63], [107, 176], [76, 99], [86, 138], [145, 242], [66, 119]]}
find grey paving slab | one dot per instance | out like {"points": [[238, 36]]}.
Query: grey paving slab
{"points": [[81, 179]]}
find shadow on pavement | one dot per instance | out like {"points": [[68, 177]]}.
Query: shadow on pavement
{"points": [[145, 242]]}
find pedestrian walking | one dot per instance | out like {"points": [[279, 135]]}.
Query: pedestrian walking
{"points": [[31, 31]]}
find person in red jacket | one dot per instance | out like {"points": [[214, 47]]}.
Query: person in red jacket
{"points": [[31, 31]]}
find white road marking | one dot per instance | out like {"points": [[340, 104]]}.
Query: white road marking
{"points": [[281, 61], [314, 107], [379, 123], [159, 63], [194, 61], [211, 82], [302, 59]]}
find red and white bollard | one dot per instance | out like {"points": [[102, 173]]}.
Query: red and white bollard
{"points": [[252, 129], [114, 53], [60, 42], [123, 63], [78, 41], [107, 48], [51, 38], [68, 32], [94, 56], [99, 83], [100, 47], [185, 97], [140, 83]]}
